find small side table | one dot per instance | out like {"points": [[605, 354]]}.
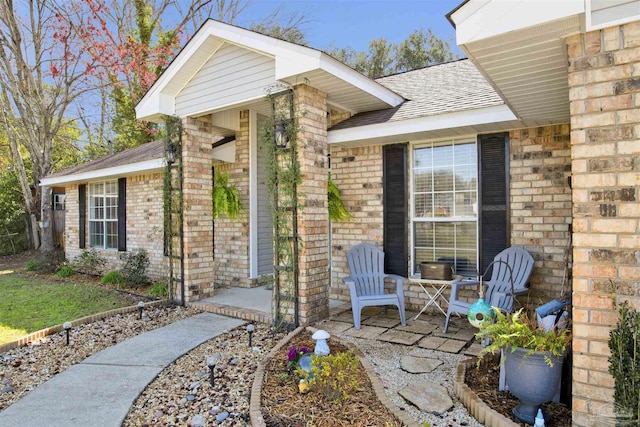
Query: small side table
{"points": [[434, 290]]}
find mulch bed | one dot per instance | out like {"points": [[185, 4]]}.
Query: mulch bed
{"points": [[484, 382], [283, 405]]}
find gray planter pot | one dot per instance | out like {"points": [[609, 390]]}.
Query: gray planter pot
{"points": [[531, 380]]}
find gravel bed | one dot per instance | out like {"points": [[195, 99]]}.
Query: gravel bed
{"points": [[182, 393], [385, 358], [22, 369]]}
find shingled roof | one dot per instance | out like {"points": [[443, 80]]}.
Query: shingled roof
{"points": [[439, 89], [149, 151]]}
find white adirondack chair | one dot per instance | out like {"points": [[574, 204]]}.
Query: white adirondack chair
{"points": [[501, 291], [366, 283]]}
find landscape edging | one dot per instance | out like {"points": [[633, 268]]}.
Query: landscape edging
{"points": [[81, 321]]}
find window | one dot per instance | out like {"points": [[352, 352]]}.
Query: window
{"points": [[445, 205], [103, 215], [58, 201]]}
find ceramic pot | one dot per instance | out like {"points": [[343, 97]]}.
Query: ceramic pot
{"points": [[531, 380]]}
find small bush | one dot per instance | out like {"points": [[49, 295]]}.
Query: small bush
{"points": [[159, 289], [33, 265], [89, 262], [134, 269], [65, 271], [112, 278], [335, 375]]}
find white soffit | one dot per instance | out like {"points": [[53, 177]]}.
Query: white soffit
{"points": [[294, 64], [519, 47], [489, 119], [138, 168]]}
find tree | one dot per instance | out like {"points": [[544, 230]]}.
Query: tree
{"points": [[40, 78], [422, 48]]}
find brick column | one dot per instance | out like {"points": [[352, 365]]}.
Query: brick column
{"points": [[604, 81], [197, 212], [313, 219]]}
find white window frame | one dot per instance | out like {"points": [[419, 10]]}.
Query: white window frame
{"points": [[106, 197], [413, 219], [58, 201]]}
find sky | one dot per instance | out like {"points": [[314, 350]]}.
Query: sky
{"points": [[355, 22]]}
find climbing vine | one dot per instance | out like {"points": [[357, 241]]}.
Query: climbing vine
{"points": [[283, 181]]}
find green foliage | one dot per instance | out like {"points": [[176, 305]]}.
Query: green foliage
{"points": [[45, 303], [65, 271], [421, 49], [112, 277], [337, 210], [335, 376], [511, 331], [225, 197], [12, 219], [89, 262], [134, 269], [33, 265], [159, 290], [624, 363]]}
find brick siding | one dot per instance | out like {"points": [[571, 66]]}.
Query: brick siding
{"points": [[604, 86]]}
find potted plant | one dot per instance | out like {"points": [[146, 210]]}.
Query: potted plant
{"points": [[532, 358]]}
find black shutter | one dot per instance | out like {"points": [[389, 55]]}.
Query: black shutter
{"points": [[493, 174], [122, 214], [395, 208], [82, 225]]}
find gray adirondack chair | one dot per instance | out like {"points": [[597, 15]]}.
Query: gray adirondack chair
{"points": [[499, 291], [366, 283]]}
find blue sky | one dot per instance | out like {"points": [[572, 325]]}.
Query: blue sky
{"points": [[355, 22]]}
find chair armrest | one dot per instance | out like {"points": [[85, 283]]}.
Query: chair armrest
{"points": [[352, 286], [399, 282], [347, 280], [455, 287]]}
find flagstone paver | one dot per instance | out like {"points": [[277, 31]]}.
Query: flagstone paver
{"points": [[431, 342], [399, 337], [428, 397], [417, 327], [383, 322], [452, 346], [464, 334], [335, 327], [473, 350], [372, 311], [367, 332], [347, 317], [419, 365]]}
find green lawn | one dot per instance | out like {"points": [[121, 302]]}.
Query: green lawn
{"points": [[28, 304]]}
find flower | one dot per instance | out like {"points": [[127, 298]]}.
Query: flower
{"points": [[294, 354]]}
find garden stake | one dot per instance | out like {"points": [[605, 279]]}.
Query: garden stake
{"points": [[250, 329], [140, 307], [67, 327]]}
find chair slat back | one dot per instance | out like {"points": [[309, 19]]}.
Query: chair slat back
{"points": [[366, 264], [521, 263]]}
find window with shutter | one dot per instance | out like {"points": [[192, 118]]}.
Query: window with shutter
{"points": [[82, 226], [103, 215]]}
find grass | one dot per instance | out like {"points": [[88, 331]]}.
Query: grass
{"points": [[29, 304]]}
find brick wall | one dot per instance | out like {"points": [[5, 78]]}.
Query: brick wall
{"points": [[604, 81], [540, 205], [197, 211], [231, 236], [144, 223]]}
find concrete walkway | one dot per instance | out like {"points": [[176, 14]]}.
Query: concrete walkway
{"points": [[100, 390]]}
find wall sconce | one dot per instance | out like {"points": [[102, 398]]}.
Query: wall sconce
{"points": [[281, 135], [170, 153]]}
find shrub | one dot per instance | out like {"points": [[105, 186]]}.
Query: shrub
{"points": [[65, 271], [134, 269], [89, 262], [33, 265], [112, 278], [335, 375], [159, 289]]}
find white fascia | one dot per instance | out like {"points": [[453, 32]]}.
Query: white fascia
{"points": [[482, 19], [116, 171], [499, 113]]}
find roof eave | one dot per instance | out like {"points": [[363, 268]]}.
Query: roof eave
{"points": [[137, 168]]}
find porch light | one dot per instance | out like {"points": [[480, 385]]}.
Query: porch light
{"points": [[250, 329], [140, 308], [67, 328], [282, 139], [170, 153], [212, 361]]}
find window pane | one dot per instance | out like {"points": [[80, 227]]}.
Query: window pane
{"points": [[96, 234], [423, 205], [443, 205], [465, 154], [422, 158], [424, 234], [112, 235], [443, 179], [422, 180], [96, 189], [445, 235], [443, 156], [466, 204], [112, 208]]}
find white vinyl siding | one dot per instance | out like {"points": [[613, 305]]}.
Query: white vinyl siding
{"points": [[603, 13], [445, 204], [103, 215], [231, 76]]}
